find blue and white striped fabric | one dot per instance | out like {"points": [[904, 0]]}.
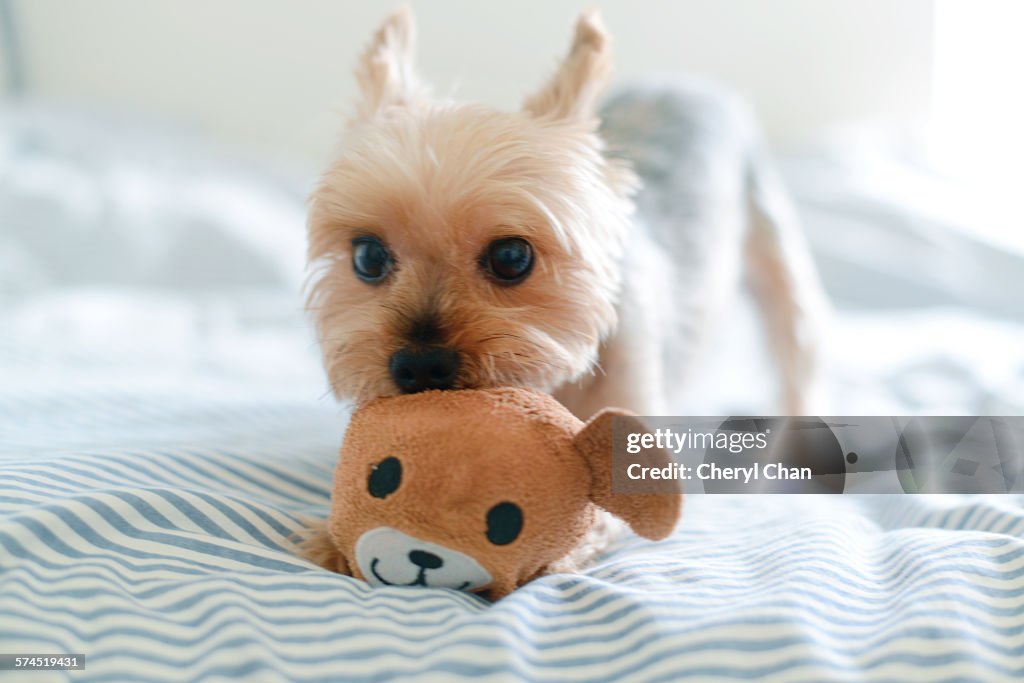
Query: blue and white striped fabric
{"points": [[171, 561]]}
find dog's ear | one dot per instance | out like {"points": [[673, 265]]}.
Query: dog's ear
{"points": [[573, 90], [651, 515], [386, 73]]}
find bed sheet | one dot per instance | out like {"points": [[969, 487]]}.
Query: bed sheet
{"points": [[150, 481]]}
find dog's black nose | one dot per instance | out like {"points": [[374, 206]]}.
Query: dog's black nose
{"points": [[425, 560], [420, 370]]}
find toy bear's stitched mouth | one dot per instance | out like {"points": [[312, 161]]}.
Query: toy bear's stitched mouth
{"points": [[421, 578]]}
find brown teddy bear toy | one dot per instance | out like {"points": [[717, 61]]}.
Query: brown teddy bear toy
{"points": [[476, 490]]}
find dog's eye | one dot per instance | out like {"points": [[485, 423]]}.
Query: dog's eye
{"points": [[509, 260], [385, 477], [371, 260], [504, 522]]}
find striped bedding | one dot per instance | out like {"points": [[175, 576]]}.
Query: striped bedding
{"points": [[172, 562], [148, 491]]}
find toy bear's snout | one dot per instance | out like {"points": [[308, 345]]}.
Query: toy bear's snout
{"points": [[389, 557]]}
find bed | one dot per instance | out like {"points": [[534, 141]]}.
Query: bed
{"points": [[165, 429]]}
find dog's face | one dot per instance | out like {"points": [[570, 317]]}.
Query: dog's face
{"points": [[455, 246]]}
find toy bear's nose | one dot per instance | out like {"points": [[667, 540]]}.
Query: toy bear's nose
{"points": [[421, 558], [416, 371]]}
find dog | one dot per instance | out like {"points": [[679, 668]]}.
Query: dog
{"points": [[456, 246]]}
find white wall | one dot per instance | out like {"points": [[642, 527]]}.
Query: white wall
{"points": [[267, 73]]}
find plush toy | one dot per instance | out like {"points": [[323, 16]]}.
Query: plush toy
{"points": [[476, 490]]}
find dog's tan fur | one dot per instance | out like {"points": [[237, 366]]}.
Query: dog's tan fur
{"points": [[437, 181]]}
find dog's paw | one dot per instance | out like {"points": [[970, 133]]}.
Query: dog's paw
{"points": [[316, 545]]}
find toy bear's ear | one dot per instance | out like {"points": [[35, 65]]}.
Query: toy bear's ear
{"points": [[651, 515]]}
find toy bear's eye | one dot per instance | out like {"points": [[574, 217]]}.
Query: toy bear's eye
{"points": [[385, 477], [504, 522]]}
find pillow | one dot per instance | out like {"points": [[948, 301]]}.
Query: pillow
{"points": [[94, 198]]}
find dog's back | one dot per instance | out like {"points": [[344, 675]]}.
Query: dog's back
{"points": [[709, 212]]}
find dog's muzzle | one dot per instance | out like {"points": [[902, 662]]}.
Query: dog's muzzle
{"points": [[388, 557]]}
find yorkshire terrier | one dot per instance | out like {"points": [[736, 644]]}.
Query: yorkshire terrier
{"points": [[455, 246]]}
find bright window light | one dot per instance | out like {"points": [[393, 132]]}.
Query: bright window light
{"points": [[977, 123]]}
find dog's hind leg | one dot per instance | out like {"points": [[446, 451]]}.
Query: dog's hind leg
{"points": [[785, 285]]}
